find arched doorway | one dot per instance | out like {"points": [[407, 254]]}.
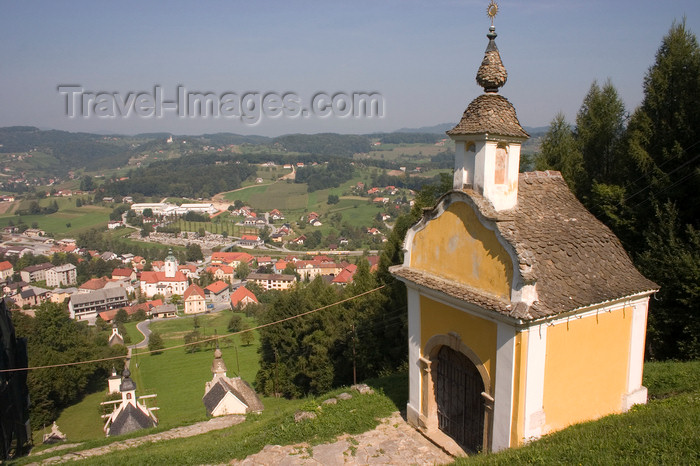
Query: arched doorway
{"points": [[458, 395]]}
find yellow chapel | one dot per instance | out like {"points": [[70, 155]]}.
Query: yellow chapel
{"points": [[525, 314]]}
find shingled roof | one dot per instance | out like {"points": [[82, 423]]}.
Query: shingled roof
{"points": [[239, 388], [489, 114], [574, 259], [129, 420]]}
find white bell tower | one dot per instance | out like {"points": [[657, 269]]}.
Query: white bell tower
{"points": [[488, 137]]}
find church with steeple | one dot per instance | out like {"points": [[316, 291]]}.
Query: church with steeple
{"points": [[225, 395], [525, 314], [130, 415], [168, 282]]}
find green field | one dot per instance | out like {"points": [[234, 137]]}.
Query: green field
{"points": [[177, 377], [295, 202], [416, 153], [281, 195], [362, 215], [662, 432], [79, 218]]}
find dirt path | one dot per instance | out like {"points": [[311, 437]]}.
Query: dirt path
{"points": [[220, 202], [178, 432], [392, 442]]}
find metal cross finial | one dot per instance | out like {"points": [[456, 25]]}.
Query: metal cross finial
{"points": [[492, 10]]}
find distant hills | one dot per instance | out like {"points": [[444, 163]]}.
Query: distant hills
{"points": [[65, 151], [435, 129], [442, 127]]}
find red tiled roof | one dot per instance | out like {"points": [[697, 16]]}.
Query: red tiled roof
{"points": [[122, 272], [241, 293], [281, 264], [5, 265], [193, 290], [373, 263], [228, 257], [217, 287], [155, 277], [94, 284], [345, 276]]}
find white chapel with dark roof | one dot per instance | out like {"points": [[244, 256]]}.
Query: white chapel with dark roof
{"points": [[525, 314]]}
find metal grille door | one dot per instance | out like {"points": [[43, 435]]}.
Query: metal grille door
{"points": [[460, 406]]}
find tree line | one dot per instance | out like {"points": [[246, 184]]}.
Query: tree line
{"points": [[54, 338], [330, 175], [639, 173], [192, 176]]}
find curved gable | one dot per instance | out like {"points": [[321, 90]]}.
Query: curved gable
{"points": [[457, 246]]}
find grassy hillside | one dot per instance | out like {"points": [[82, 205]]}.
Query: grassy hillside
{"points": [[175, 376], [68, 221], [662, 432]]}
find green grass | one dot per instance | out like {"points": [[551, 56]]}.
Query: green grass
{"points": [[294, 201], [664, 379], [80, 218], [362, 215], [417, 153], [80, 421], [283, 196], [175, 376], [275, 426], [133, 332], [178, 377], [244, 194], [662, 432]]}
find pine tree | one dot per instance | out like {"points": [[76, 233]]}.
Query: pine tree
{"points": [[600, 125], [560, 151], [664, 133], [663, 141]]}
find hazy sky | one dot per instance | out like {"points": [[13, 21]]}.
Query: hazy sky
{"points": [[421, 56]]}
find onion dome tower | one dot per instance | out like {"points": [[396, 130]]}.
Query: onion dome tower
{"points": [[218, 367], [170, 264], [489, 135]]}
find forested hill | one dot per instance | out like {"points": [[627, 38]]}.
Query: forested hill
{"points": [[68, 151], [344, 145], [91, 151], [193, 176]]}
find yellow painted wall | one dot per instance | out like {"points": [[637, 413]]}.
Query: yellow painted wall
{"points": [[458, 247], [477, 333], [586, 368], [517, 426]]}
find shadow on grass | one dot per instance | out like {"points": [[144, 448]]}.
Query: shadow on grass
{"points": [[394, 386]]}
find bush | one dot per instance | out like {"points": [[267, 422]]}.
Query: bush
{"points": [[155, 343], [235, 323]]}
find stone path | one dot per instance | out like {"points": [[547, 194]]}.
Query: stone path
{"points": [[392, 442], [179, 432]]}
